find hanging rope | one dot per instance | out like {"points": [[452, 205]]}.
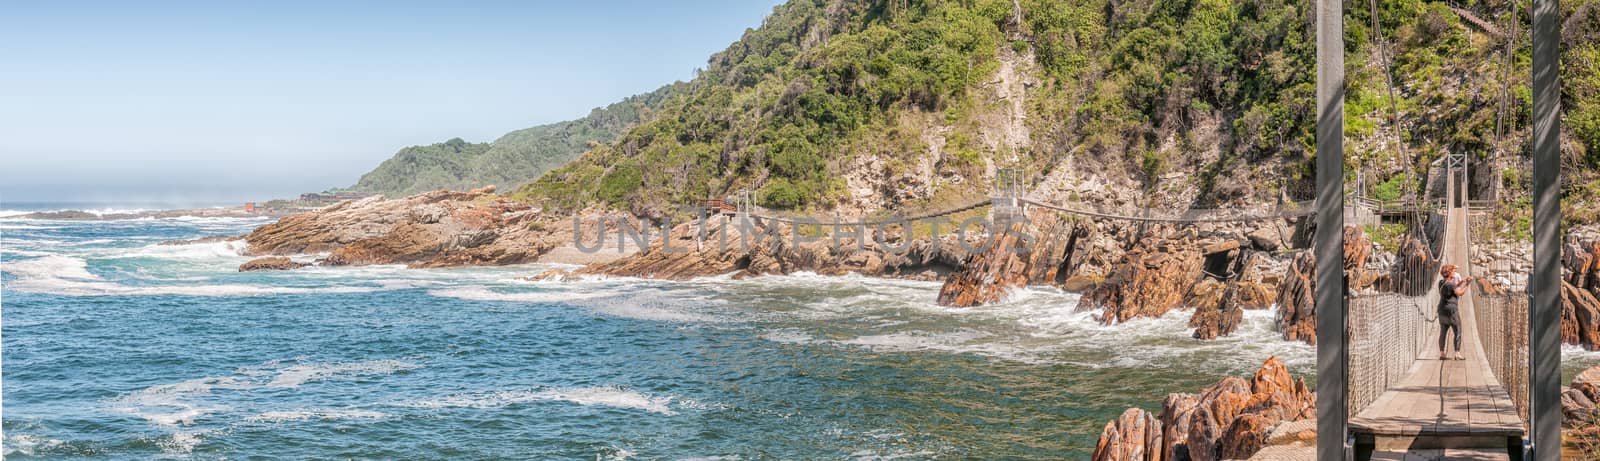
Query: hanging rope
{"points": [[1388, 83]]}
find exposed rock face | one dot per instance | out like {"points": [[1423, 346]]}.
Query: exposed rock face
{"points": [[1580, 316], [1129, 270], [433, 229], [1176, 415], [1297, 302], [771, 249], [1136, 436], [270, 263], [1578, 401], [1147, 282], [1357, 250], [1229, 420], [1044, 249], [1217, 310], [1412, 274], [1580, 295], [1297, 315], [990, 275]]}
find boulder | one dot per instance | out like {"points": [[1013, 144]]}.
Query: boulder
{"points": [[1579, 401], [1176, 413], [1217, 310], [1147, 282], [1135, 436], [270, 263], [1297, 317], [1265, 239], [1580, 317], [1231, 419]]}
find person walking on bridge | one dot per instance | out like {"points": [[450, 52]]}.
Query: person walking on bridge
{"points": [[1452, 286]]}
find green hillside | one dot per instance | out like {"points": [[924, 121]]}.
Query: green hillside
{"points": [[514, 159], [850, 103]]}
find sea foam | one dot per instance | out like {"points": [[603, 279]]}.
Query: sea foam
{"points": [[319, 414], [614, 397], [68, 275], [296, 375]]}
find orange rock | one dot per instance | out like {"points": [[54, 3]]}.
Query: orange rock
{"points": [[1230, 419], [1135, 436]]}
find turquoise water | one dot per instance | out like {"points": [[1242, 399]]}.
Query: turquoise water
{"points": [[117, 348]]}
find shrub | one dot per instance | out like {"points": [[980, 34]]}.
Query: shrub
{"points": [[781, 194], [617, 184]]}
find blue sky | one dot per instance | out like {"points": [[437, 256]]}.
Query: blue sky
{"points": [[226, 101]]}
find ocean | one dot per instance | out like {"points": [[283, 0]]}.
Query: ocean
{"points": [[116, 347]]}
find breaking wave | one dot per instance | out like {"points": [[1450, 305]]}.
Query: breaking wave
{"points": [[614, 397], [68, 275]]}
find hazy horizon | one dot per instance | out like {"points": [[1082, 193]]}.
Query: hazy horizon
{"points": [[201, 103]]}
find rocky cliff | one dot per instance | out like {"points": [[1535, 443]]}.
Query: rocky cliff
{"points": [[433, 229], [1232, 419], [1128, 270], [747, 248]]}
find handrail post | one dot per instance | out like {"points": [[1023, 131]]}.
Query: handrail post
{"points": [[1544, 314], [1333, 381]]}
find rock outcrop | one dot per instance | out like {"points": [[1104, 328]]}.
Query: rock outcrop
{"points": [[769, 248], [1414, 268], [991, 274], [271, 263], [1580, 295], [1129, 270], [434, 229], [1217, 309], [1580, 415], [1136, 436], [1297, 313], [1297, 300], [1147, 282], [1579, 401], [1041, 249], [1231, 419]]}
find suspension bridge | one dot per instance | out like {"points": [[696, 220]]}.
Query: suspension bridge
{"points": [[1405, 402], [1402, 401]]}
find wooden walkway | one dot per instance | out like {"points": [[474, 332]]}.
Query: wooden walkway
{"points": [[1442, 404]]}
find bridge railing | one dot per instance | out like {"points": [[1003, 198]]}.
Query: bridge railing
{"points": [[1390, 327], [1503, 332], [1387, 332]]}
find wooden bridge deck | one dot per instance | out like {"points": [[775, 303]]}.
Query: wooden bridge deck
{"points": [[1444, 404]]}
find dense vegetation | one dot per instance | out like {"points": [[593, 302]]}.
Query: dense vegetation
{"points": [[1210, 96], [510, 161], [788, 108], [1456, 91]]}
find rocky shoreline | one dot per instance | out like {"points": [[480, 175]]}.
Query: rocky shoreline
{"points": [[1123, 270], [80, 215], [1232, 419]]}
